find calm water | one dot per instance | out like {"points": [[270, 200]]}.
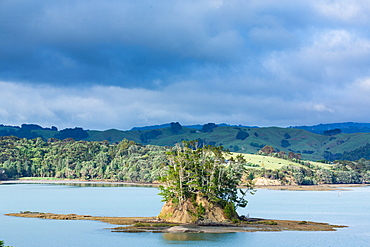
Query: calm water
{"points": [[348, 208]]}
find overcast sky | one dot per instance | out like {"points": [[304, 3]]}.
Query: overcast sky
{"points": [[122, 63]]}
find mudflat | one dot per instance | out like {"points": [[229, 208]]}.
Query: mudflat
{"points": [[153, 224]]}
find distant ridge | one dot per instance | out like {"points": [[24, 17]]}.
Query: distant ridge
{"points": [[195, 126], [152, 127], [347, 127]]}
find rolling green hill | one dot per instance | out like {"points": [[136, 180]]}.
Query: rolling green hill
{"points": [[246, 140], [311, 146]]}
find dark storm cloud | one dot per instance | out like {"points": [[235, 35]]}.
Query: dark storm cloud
{"points": [[125, 42], [103, 64], [114, 42]]}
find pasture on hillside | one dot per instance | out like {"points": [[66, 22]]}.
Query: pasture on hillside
{"points": [[269, 162]]}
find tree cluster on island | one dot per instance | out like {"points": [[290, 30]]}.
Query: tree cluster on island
{"points": [[201, 183]]}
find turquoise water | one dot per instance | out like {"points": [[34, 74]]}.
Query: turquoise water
{"points": [[348, 208]]}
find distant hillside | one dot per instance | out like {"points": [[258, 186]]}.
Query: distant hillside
{"points": [[348, 127], [335, 145], [196, 126], [152, 127]]}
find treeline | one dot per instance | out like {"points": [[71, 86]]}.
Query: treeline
{"points": [[359, 153], [270, 151], [288, 175], [124, 161], [132, 162], [29, 131]]}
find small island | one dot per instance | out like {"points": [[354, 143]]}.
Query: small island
{"points": [[201, 191], [156, 225]]}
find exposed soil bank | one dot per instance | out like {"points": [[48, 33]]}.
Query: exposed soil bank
{"points": [[153, 224]]}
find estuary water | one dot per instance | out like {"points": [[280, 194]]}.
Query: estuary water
{"points": [[349, 208]]}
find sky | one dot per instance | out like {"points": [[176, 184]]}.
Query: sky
{"points": [[122, 63]]}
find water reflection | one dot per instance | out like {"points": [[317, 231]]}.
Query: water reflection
{"points": [[87, 184], [185, 236], [213, 237]]}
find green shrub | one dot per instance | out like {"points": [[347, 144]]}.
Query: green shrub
{"points": [[139, 224], [268, 222]]}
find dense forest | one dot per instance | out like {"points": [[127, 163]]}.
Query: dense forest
{"points": [[132, 162], [125, 161]]}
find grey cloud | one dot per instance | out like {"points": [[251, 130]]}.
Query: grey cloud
{"points": [[122, 63], [332, 58], [111, 42], [125, 43], [103, 107]]}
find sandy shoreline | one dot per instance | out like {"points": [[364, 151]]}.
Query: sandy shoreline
{"points": [[321, 187]]}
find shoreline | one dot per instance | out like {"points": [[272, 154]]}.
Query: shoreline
{"points": [[320, 187], [155, 225], [75, 181]]}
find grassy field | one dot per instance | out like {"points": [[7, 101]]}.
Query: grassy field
{"points": [[273, 162]]}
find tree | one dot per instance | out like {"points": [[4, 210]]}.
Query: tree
{"points": [[285, 143], [148, 135], [76, 133], [332, 132], [208, 127], [2, 174], [266, 150], [200, 179], [2, 244], [175, 127], [242, 135]]}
